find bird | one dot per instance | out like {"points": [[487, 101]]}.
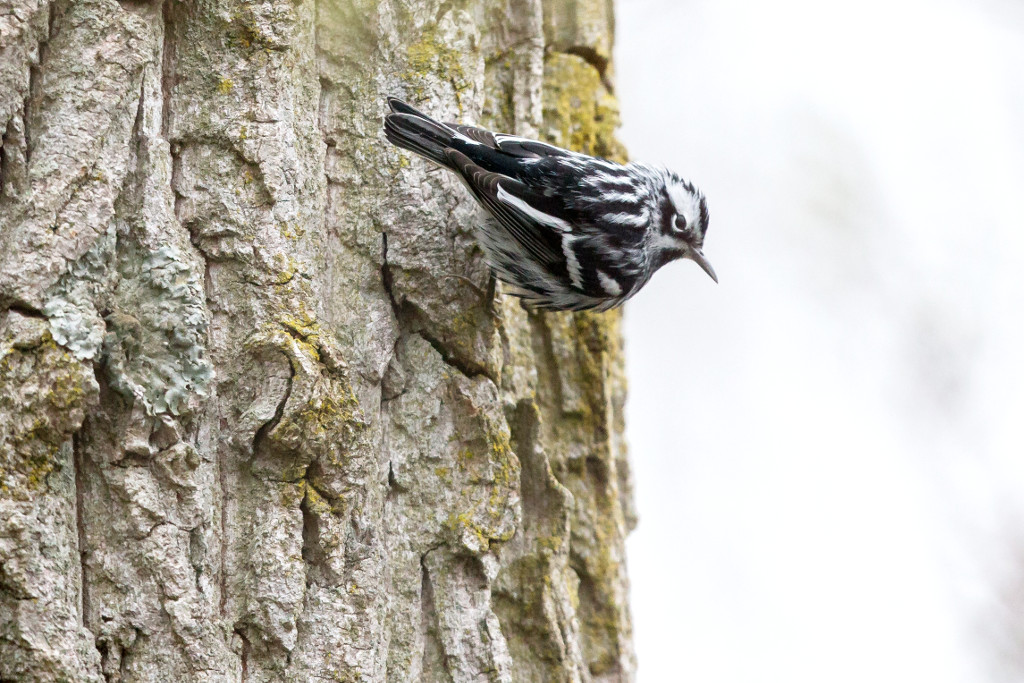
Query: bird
{"points": [[571, 232]]}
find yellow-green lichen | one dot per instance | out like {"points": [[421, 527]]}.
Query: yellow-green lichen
{"points": [[316, 503], [248, 32], [322, 415], [286, 268], [471, 534], [490, 471], [464, 456], [594, 333], [291, 230], [43, 389], [444, 474], [302, 325], [579, 113], [432, 57]]}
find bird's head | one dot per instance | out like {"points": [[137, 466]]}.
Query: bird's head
{"points": [[684, 223]]}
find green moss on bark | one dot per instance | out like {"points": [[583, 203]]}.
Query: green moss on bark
{"points": [[579, 112], [43, 392]]}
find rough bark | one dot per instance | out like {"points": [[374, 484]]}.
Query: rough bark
{"points": [[264, 416]]}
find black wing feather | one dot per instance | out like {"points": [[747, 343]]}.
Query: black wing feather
{"points": [[543, 243], [484, 137], [523, 147], [513, 145]]}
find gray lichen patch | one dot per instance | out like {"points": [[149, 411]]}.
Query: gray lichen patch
{"points": [[70, 306], [152, 330], [155, 347], [75, 324]]}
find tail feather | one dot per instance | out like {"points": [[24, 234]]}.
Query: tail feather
{"points": [[413, 130], [407, 137], [400, 107]]}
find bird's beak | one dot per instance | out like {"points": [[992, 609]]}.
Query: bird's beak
{"points": [[698, 257]]}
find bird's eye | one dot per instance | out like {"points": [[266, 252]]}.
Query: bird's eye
{"points": [[680, 223]]}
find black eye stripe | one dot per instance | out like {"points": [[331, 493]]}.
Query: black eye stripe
{"points": [[668, 214]]}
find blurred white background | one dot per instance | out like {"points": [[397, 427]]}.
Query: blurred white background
{"points": [[829, 445]]}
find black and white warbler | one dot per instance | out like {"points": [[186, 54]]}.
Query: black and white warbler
{"points": [[572, 232]]}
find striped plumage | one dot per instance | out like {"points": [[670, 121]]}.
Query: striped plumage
{"points": [[571, 232]]}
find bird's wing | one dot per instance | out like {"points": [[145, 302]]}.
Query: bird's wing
{"points": [[537, 232], [564, 238], [480, 135], [523, 148]]}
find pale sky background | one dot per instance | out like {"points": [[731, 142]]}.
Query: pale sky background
{"points": [[828, 447]]}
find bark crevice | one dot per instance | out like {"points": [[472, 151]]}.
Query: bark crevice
{"points": [[261, 447], [167, 64], [78, 461]]}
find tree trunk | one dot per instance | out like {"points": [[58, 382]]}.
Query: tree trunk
{"points": [[264, 415]]}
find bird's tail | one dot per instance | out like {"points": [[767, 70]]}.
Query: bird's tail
{"points": [[411, 129]]}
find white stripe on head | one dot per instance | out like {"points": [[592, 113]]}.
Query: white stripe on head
{"points": [[534, 214], [685, 202]]}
